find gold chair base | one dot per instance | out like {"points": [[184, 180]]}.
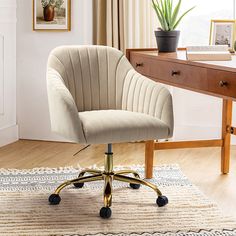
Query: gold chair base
{"points": [[108, 175]]}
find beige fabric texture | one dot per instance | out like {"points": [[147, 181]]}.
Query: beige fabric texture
{"points": [[81, 79], [112, 123]]}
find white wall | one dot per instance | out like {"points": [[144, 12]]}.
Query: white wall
{"points": [[8, 127], [197, 116], [33, 49]]}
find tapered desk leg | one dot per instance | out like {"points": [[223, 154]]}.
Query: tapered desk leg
{"points": [[226, 136], [149, 154]]}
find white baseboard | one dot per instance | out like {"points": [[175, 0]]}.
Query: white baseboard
{"points": [[8, 135]]}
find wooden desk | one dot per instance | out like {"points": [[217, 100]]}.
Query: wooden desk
{"points": [[212, 78]]}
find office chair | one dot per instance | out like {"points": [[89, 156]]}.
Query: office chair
{"points": [[96, 97]]}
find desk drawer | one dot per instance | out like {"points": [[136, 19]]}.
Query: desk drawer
{"points": [[222, 82], [141, 64], [182, 75]]}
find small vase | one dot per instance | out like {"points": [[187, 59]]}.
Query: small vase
{"points": [[48, 13]]}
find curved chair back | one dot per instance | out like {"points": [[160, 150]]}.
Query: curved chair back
{"points": [[86, 78], [94, 75]]}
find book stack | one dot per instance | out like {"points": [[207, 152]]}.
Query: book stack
{"points": [[208, 53]]}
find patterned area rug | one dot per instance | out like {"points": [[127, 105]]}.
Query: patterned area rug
{"points": [[24, 208]]}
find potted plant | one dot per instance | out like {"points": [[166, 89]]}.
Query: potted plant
{"points": [[166, 36], [48, 8]]}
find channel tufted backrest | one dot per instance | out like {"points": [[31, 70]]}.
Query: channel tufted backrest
{"points": [[94, 75], [146, 96], [86, 78]]}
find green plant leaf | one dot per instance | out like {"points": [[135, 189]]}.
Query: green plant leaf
{"points": [[160, 15], [168, 14], [162, 8], [164, 21], [167, 11], [175, 15], [169, 6], [181, 17], [157, 13]]}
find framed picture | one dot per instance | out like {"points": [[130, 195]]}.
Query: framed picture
{"points": [[222, 33], [52, 15]]}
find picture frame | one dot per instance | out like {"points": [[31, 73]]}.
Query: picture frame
{"points": [[222, 32], [51, 15]]}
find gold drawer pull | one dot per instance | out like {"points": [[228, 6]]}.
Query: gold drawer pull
{"points": [[139, 64], [223, 83], [175, 73]]}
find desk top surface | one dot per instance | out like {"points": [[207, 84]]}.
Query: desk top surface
{"points": [[180, 57]]}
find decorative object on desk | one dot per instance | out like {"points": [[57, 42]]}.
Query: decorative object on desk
{"points": [[208, 53], [223, 33], [23, 208], [166, 36], [51, 15]]}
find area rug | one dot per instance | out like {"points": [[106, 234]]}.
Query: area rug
{"points": [[24, 208]]}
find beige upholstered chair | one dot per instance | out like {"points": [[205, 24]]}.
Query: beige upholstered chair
{"points": [[96, 97]]}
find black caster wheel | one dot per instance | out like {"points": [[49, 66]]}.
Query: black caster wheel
{"points": [[162, 201], [79, 185], [134, 186], [105, 212], [54, 199]]}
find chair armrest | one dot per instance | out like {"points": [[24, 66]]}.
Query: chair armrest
{"points": [[141, 94], [62, 109]]}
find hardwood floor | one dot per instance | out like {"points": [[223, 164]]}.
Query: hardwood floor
{"points": [[201, 165]]}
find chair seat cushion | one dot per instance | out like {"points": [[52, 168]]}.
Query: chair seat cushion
{"points": [[115, 126]]}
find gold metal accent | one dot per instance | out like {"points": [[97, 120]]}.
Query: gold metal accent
{"points": [[125, 172], [79, 180], [108, 191], [131, 180], [89, 171], [108, 175], [108, 163]]}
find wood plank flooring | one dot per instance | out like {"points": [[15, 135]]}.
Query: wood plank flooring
{"points": [[201, 165]]}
